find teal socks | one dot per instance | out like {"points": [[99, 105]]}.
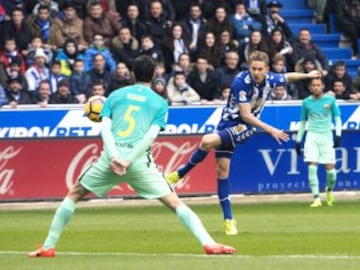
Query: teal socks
{"points": [[331, 179], [193, 223], [314, 180], [62, 216]]}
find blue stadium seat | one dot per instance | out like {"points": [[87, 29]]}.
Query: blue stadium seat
{"points": [[337, 53], [332, 22], [314, 28], [293, 4], [326, 40], [297, 15]]}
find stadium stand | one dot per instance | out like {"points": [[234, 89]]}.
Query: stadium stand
{"points": [[334, 44], [297, 14]]}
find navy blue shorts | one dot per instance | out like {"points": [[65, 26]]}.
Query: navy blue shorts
{"points": [[231, 134]]}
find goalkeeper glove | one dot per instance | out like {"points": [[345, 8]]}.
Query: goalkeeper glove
{"points": [[298, 148], [337, 141]]}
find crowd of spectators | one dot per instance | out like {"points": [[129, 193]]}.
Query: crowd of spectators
{"points": [[63, 52]]}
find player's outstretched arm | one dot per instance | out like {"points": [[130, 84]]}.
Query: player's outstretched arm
{"points": [[249, 118], [296, 76]]}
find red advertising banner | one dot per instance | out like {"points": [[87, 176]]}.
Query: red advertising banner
{"points": [[47, 168]]}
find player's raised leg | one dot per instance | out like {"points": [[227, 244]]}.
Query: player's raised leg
{"points": [[208, 142]]}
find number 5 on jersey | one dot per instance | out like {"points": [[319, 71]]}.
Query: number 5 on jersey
{"points": [[130, 119]]}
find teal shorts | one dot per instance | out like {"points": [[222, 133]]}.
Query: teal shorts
{"points": [[319, 148], [144, 178]]}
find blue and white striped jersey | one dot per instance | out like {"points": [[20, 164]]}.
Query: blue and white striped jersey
{"points": [[245, 90]]}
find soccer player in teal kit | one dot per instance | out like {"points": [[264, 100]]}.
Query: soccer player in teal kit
{"points": [[132, 118], [318, 110]]}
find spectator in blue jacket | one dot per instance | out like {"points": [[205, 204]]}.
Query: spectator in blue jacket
{"points": [[97, 47], [243, 24], [80, 82]]}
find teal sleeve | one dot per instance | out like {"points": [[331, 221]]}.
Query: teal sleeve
{"points": [[303, 116], [145, 143], [107, 137], [161, 117], [335, 108], [106, 110], [338, 126], [301, 131]]}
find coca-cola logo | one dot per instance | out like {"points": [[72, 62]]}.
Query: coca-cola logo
{"points": [[178, 156], [83, 159], [6, 174]]}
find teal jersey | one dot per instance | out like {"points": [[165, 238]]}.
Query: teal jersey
{"points": [[133, 109], [319, 113]]}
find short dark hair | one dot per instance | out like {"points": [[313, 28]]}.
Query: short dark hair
{"points": [[95, 3], [96, 83], [202, 56], [149, 36], [143, 68], [304, 29], [180, 72], [340, 63], [19, 9], [321, 79], [78, 60], [338, 80], [56, 63], [195, 4], [44, 7]]}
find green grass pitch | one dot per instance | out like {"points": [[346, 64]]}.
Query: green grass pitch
{"points": [[275, 236]]}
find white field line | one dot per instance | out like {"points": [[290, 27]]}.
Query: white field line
{"points": [[295, 256]]}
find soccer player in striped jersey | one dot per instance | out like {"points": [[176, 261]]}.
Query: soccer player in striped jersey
{"points": [[249, 92]]}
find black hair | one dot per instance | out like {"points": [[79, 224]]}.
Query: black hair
{"points": [[44, 7], [340, 63], [95, 3], [143, 68], [79, 60], [56, 63], [339, 80], [180, 72], [98, 82], [17, 9]]}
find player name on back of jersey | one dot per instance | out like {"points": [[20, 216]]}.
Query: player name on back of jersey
{"points": [[136, 97]]}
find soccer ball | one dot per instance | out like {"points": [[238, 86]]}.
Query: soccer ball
{"points": [[93, 107]]}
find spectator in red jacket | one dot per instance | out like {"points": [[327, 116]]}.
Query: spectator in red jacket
{"points": [[10, 52]]}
